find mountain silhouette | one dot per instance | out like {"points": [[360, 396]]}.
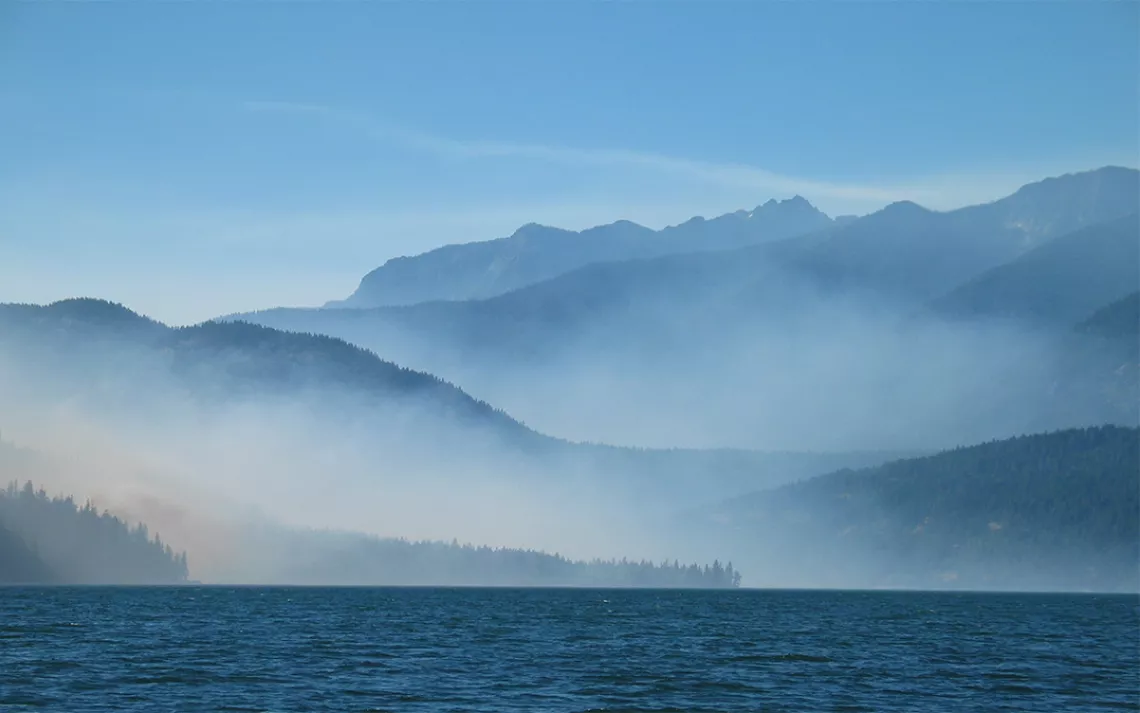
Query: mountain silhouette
{"points": [[537, 252], [1052, 511]]}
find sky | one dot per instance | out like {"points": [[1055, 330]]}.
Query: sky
{"points": [[198, 158]]}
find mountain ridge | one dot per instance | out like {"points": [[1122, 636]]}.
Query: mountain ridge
{"points": [[904, 253], [1054, 511], [536, 252], [1118, 320], [217, 363], [985, 234], [656, 339]]}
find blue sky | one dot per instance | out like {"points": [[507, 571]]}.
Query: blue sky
{"points": [[198, 158]]}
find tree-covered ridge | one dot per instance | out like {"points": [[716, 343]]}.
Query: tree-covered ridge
{"points": [[82, 310], [230, 357], [18, 564], [1054, 510], [352, 559], [335, 355], [220, 361], [1119, 320], [253, 357], [79, 545]]}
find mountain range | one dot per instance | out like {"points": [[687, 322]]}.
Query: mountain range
{"points": [[903, 250], [795, 369], [119, 364], [1043, 258], [536, 252], [883, 247]]}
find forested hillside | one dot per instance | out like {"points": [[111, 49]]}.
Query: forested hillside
{"points": [[18, 564], [1051, 511], [73, 544], [230, 358], [1119, 320], [93, 352]]}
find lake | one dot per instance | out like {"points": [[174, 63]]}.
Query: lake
{"points": [[396, 649]]}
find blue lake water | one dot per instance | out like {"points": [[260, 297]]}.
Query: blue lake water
{"points": [[345, 649]]}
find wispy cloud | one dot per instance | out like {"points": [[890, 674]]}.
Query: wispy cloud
{"points": [[727, 174], [939, 191]]}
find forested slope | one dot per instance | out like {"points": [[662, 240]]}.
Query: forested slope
{"points": [[1055, 511], [74, 544]]}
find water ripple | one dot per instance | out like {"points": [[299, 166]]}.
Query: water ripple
{"points": [[279, 650]]}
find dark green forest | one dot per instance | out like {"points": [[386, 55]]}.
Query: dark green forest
{"points": [[1119, 320], [18, 564], [349, 558], [55, 540], [1053, 511]]}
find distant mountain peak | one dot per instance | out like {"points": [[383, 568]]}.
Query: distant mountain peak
{"points": [[625, 223], [1061, 204], [796, 204], [88, 303], [531, 230], [906, 207], [895, 216], [84, 312], [1044, 188], [100, 310], [1105, 171]]}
